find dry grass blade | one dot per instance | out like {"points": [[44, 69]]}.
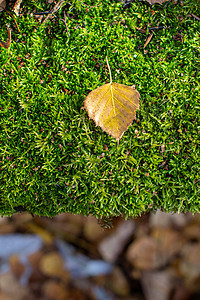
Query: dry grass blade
{"points": [[194, 16], [148, 39]]}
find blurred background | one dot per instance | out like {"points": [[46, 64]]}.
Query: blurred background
{"points": [[156, 256]]}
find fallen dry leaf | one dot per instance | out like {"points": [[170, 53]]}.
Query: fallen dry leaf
{"points": [[192, 232], [55, 290], [163, 220], [118, 282], [10, 285], [16, 7], [111, 246], [157, 284], [189, 266], [169, 241], [16, 266], [144, 254], [92, 230], [52, 265], [2, 5], [148, 253], [113, 107]]}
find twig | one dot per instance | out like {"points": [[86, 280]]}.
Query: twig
{"points": [[194, 16], [64, 21], [159, 27], [14, 20], [130, 1], [55, 9], [6, 44], [152, 28], [166, 4], [43, 13]]}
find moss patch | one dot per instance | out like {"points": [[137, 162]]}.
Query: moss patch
{"points": [[52, 157]]}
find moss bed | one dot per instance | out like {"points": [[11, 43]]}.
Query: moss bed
{"points": [[54, 159]]}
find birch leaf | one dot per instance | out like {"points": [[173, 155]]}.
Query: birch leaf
{"points": [[113, 107]]}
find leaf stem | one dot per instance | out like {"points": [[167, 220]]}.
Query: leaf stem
{"points": [[109, 70]]}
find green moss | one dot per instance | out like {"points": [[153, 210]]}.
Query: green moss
{"points": [[54, 159]]}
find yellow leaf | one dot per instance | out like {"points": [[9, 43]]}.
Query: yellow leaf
{"points": [[113, 107]]}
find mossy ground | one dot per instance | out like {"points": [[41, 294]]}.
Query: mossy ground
{"points": [[52, 157]]}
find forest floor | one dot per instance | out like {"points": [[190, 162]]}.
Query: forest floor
{"points": [[152, 257]]}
